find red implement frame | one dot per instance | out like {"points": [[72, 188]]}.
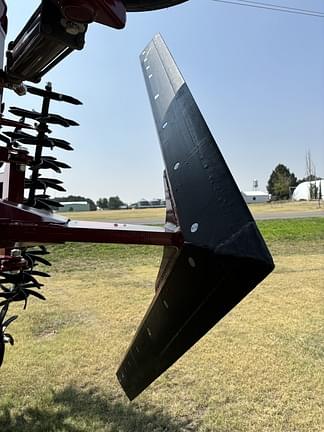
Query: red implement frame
{"points": [[108, 12], [21, 224], [24, 224]]}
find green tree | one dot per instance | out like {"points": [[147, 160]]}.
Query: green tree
{"points": [[71, 198], [313, 191], [114, 203], [102, 203], [281, 181]]}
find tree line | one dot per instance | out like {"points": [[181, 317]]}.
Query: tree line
{"points": [[280, 185], [112, 203], [73, 198], [282, 182]]}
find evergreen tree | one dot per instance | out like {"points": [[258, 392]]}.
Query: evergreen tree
{"points": [[280, 182]]}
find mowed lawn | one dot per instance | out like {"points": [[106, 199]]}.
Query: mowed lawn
{"points": [[260, 369]]}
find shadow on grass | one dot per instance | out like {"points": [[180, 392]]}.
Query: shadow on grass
{"points": [[74, 410]]}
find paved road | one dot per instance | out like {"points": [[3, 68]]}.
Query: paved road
{"points": [[289, 215]]}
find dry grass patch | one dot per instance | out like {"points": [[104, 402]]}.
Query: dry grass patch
{"points": [[118, 215], [286, 207], [157, 215]]}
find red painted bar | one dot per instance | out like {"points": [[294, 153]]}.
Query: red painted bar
{"points": [[14, 176], [19, 223], [78, 231]]}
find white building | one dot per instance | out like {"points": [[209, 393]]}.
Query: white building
{"points": [[251, 197], [70, 206], [143, 204], [302, 191]]}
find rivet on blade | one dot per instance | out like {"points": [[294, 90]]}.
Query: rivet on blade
{"points": [[164, 125], [176, 166], [149, 332], [165, 304]]}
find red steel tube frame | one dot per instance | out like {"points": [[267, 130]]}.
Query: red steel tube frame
{"points": [[20, 224]]}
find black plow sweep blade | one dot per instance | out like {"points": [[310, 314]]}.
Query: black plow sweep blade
{"points": [[224, 255]]}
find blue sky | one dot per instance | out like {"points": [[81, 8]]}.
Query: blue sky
{"points": [[257, 76]]}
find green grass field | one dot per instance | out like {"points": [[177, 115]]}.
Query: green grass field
{"points": [[260, 369]]}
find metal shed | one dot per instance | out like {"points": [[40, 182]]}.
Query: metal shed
{"points": [[69, 206], [251, 197]]}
